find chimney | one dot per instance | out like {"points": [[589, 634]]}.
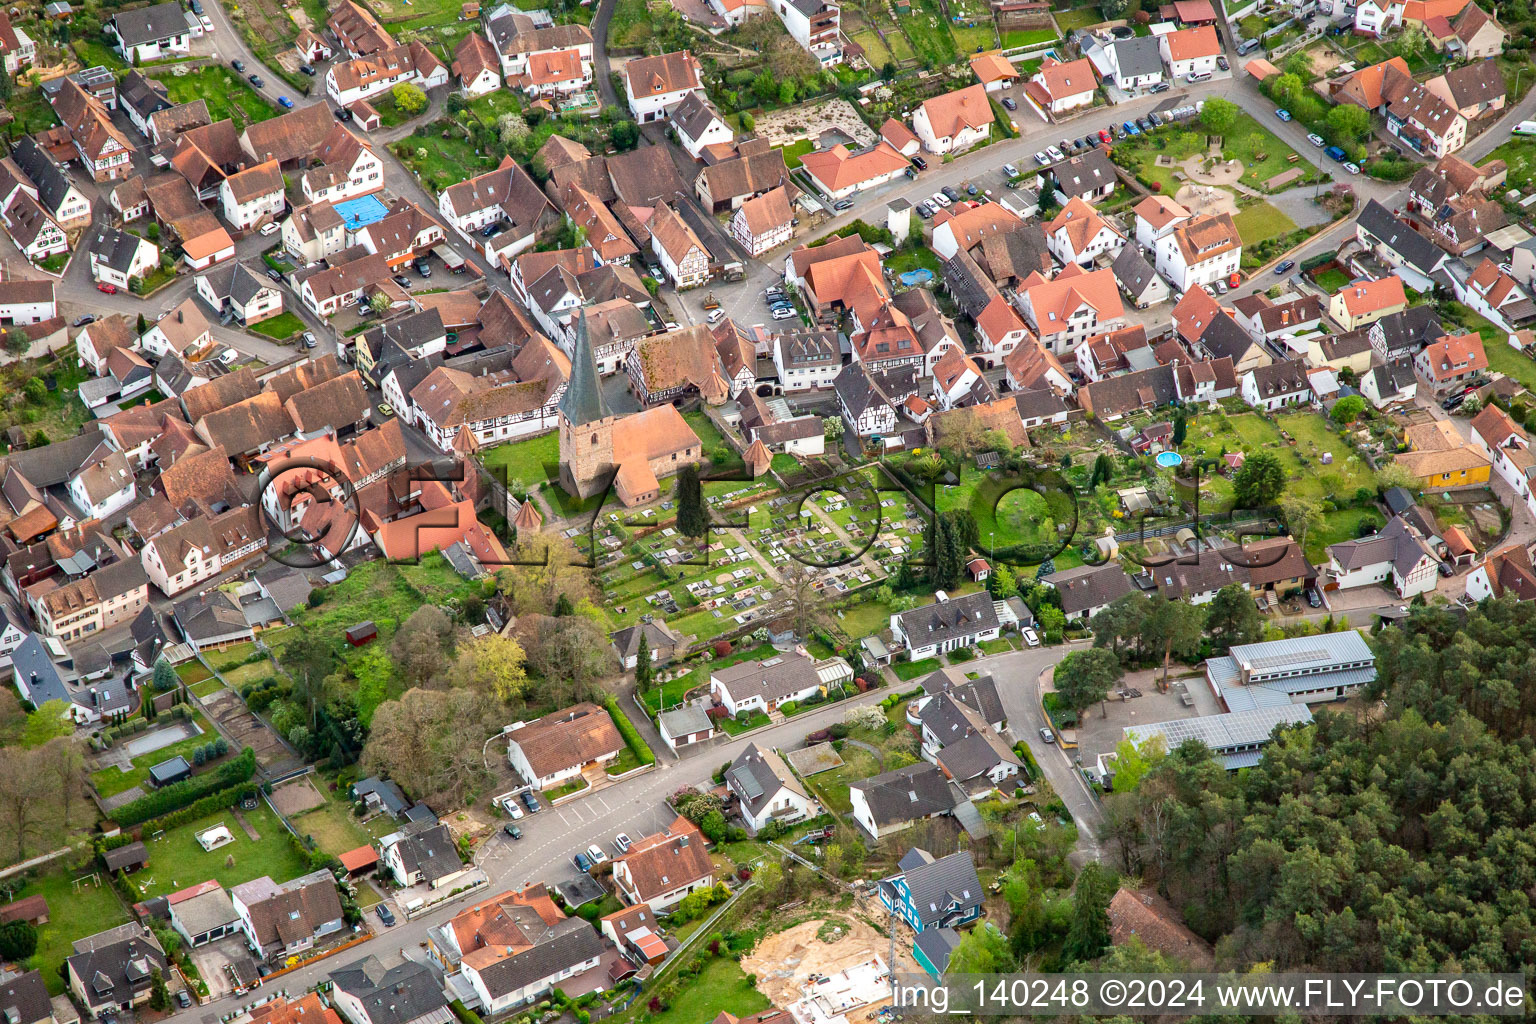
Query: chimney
{"points": [[180, 316]]}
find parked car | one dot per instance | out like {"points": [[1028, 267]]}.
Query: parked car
{"points": [[971, 190], [783, 314], [512, 831], [1335, 153], [1247, 46], [1160, 87], [402, 281], [256, 81], [1316, 140], [268, 228], [423, 268], [939, 199], [920, 163], [1089, 142], [81, 321], [1313, 600], [923, 210], [182, 999], [1105, 137], [285, 102], [309, 339], [596, 854], [843, 204], [386, 916], [1047, 735], [1447, 570], [951, 193], [1221, 286], [1144, 124], [1031, 637], [714, 317], [530, 801], [1283, 114], [1119, 130], [274, 275], [343, 114], [385, 409], [1010, 171], [105, 286], [1055, 154], [1351, 167], [1221, 62], [306, 69], [490, 229], [1009, 103], [238, 65], [622, 843], [226, 318], [1042, 158], [1286, 267], [582, 863], [1158, 120], [1130, 128]]}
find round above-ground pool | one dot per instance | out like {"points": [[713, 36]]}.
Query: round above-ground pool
{"points": [[1169, 459]]}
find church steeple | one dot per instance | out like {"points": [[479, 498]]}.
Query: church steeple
{"points": [[583, 399]]}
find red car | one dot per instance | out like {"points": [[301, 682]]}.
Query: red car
{"points": [[1105, 137], [103, 286]]}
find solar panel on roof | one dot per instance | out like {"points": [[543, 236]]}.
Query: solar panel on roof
{"points": [[1276, 660]]}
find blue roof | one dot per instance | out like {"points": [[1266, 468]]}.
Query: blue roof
{"points": [[362, 211]]}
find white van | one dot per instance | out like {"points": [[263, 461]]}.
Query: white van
{"points": [[1198, 77], [1524, 128]]}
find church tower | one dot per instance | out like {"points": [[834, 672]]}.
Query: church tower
{"points": [[586, 425]]}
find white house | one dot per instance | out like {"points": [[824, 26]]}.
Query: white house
{"points": [[763, 223], [1079, 235], [1398, 557], [1190, 51], [815, 25], [116, 257], [954, 121], [1157, 216], [766, 790], [1378, 17], [235, 288], [104, 486], [26, 302], [1199, 251], [552, 749], [346, 82], [1505, 571], [1508, 448], [767, 685], [423, 857], [699, 125], [251, 196], [946, 625], [308, 908], [655, 84], [1276, 385], [806, 359], [681, 255], [1058, 88], [150, 33]]}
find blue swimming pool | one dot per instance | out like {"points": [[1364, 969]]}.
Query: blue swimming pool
{"points": [[362, 211], [1169, 459], [911, 278]]}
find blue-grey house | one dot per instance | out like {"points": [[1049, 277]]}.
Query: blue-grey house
{"points": [[929, 893]]}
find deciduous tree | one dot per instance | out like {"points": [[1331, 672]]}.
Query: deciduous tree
{"points": [[1219, 115], [1259, 481], [1084, 678], [492, 665]]}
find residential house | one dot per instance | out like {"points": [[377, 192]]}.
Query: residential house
{"points": [[348, 82], [118, 258], [1363, 302], [1058, 88], [419, 855], [252, 196], [767, 791], [1277, 385], [1277, 321], [1088, 177], [24, 996], [1505, 571], [35, 234], [960, 731], [1493, 294], [1439, 456], [1412, 256], [37, 680], [557, 747], [815, 25], [1404, 334], [699, 125], [26, 302], [946, 625], [659, 870], [101, 147], [930, 893], [763, 223], [1428, 124], [182, 331], [110, 596], [953, 122], [476, 65], [1072, 307], [655, 84], [840, 172], [518, 39], [1477, 35], [1398, 557], [1449, 204], [807, 359], [54, 192], [664, 644], [506, 198], [1391, 382], [237, 289], [17, 50], [150, 33], [897, 799], [1031, 366], [993, 70], [203, 913], [1473, 90], [202, 548], [516, 947], [1086, 590], [1079, 235], [343, 283], [1200, 251], [364, 992], [767, 685], [1190, 51], [1451, 361], [280, 920], [114, 970]]}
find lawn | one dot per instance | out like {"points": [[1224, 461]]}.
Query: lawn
{"points": [[1510, 362], [671, 693], [929, 32], [227, 95], [906, 670], [283, 326], [720, 987], [1248, 140], [176, 860], [333, 827], [1007, 515], [1078, 17], [1520, 155], [631, 23], [792, 154], [864, 619], [440, 161], [832, 786], [193, 672], [523, 463], [1028, 37], [111, 781], [1337, 526], [72, 914], [1331, 280], [1261, 221], [720, 454], [207, 687], [1209, 434]]}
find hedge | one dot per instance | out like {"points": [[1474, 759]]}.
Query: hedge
{"points": [[464, 1013], [213, 803], [234, 772], [628, 731]]}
